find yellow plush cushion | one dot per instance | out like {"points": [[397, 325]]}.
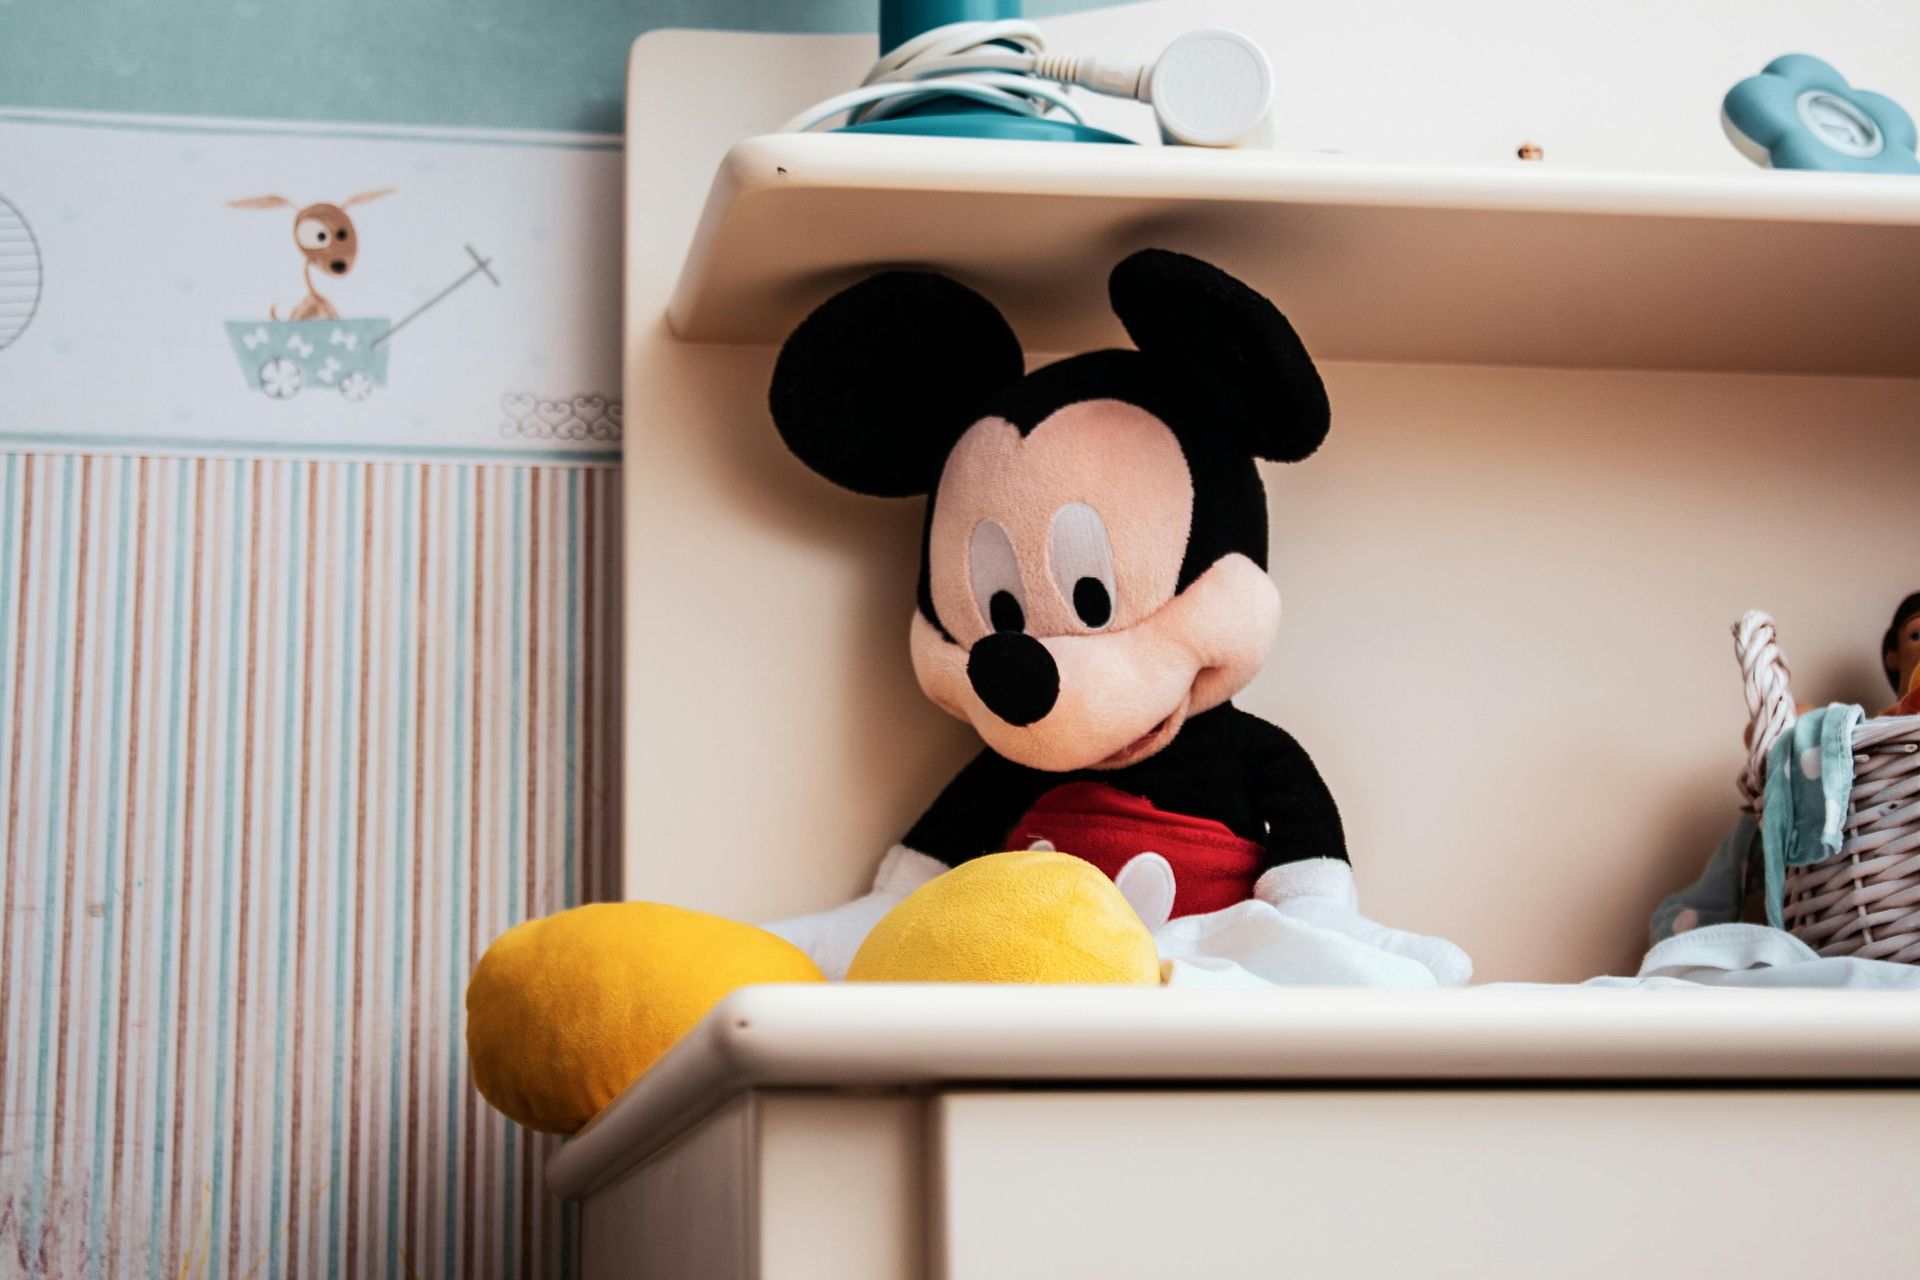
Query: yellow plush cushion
{"points": [[564, 1012], [1011, 917]]}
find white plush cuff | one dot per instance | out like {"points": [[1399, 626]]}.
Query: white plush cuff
{"points": [[1312, 878], [903, 870]]}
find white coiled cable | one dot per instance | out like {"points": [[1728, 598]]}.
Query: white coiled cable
{"points": [[1004, 64]]}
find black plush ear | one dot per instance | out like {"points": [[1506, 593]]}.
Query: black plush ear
{"points": [[1231, 345], [875, 386]]}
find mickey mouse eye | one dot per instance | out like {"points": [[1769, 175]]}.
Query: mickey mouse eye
{"points": [[311, 233], [1082, 562], [996, 578]]}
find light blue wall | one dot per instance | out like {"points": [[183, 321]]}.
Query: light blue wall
{"points": [[543, 64]]}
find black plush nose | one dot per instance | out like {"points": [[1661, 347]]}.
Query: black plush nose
{"points": [[1014, 675], [339, 266]]}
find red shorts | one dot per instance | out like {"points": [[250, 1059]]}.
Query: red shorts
{"points": [[1212, 867]]}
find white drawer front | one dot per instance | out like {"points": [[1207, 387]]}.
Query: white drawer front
{"points": [[1376, 1183]]}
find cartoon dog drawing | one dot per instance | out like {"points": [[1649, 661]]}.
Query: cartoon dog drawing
{"points": [[327, 239]]}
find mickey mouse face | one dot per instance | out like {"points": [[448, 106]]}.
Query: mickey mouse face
{"points": [[1053, 560], [1093, 567]]}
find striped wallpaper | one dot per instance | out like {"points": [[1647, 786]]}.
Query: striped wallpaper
{"points": [[285, 743]]}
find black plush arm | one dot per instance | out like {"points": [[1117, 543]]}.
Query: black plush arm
{"points": [[1302, 819], [978, 808]]}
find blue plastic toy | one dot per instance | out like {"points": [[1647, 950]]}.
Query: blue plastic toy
{"points": [[1800, 113]]}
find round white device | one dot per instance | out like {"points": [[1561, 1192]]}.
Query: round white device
{"points": [[1213, 89]]}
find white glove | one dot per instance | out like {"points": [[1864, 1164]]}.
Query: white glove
{"points": [[1302, 927], [1146, 882], [831, 937], [1322, 892], [1250, 944]]}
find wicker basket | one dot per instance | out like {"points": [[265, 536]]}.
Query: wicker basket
{"points": [[1865, 900]]}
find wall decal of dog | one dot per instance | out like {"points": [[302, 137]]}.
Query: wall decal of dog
{"points": [[326, 238]]}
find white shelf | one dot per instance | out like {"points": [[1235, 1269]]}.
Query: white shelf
{"points": [[901, 1036], [1524, 265]]}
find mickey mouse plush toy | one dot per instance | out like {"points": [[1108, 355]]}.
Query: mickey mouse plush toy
{"points": [[1093, 592]]}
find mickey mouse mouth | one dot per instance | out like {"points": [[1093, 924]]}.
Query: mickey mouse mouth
{"points": [[1150, 741]]}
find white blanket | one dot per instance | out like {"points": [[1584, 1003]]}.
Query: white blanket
{"points": [[1303, 927], [1753, 955]]}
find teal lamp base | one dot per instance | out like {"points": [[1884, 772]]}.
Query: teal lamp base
{"points": [[954, 117], [986, 122]]}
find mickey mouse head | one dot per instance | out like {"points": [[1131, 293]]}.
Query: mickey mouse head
{"points": [[1093, 570]]}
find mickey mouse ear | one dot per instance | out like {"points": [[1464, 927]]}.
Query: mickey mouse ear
{"points": [[874, 387], [1231, 344]]}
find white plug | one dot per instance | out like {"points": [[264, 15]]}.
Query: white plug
{"points": [[1212, 89]]}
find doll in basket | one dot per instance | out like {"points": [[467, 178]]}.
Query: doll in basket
{"points": [[1900, 654]]}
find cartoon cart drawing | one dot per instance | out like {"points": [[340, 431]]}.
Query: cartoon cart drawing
{"points": [[285, 357], [282, 358]]}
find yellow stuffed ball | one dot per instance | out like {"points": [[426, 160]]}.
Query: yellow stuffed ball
{"points": [[1012, 917], [565, 1012]]}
